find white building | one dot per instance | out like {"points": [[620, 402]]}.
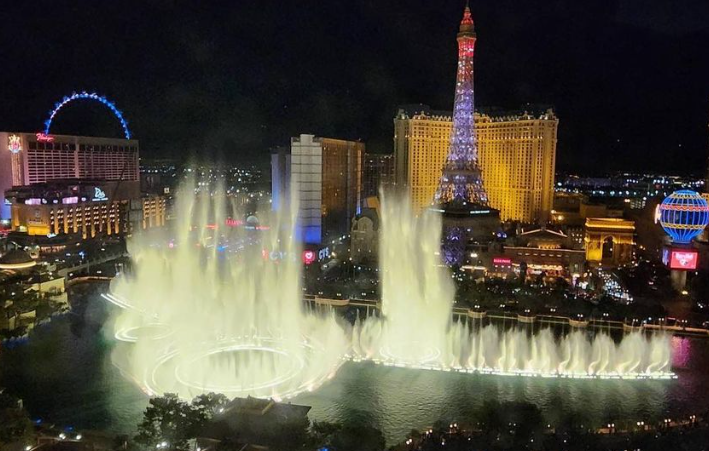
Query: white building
{"points": [[326, 176]]}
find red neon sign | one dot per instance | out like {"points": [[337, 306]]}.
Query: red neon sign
{"points": [[234, 222], [43, 137], [502, 261], [308, 257], [683, 259]]}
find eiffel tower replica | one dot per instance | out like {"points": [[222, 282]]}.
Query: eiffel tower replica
{"points": [[467, 217]]}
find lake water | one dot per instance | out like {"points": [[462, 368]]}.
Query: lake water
{"points": [[65, 376]]}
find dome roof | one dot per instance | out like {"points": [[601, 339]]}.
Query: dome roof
{"points": [[16, 259]]}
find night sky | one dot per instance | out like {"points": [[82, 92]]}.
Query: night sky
{"points": [[227, 80]]}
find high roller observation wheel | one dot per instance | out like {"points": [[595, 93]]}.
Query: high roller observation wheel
{"points": [[89, 96]]}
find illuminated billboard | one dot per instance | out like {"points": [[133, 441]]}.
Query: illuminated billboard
{"points": [[683, 259]]}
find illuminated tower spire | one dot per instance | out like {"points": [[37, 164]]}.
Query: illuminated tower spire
{"points": [[462, 179]]}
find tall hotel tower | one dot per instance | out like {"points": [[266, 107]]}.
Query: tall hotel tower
{"points": [[461, 197]]}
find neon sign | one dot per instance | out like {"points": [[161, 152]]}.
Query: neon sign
{"points": [[308, 257], [99, 194], [233, 222], [683, 259], [277, 256], [14, 143], [43, 137], [501, 261]]}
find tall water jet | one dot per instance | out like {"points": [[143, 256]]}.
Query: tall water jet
{"points": [[417, 291], [416, 326], [202, 318]]}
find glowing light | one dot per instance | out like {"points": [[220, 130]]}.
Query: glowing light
{"points": [[89, 96], [152, 331], [44, 137], [233, 222], [308, 257], [462, 180], [99, 194], [684, 214], [14, 144]]}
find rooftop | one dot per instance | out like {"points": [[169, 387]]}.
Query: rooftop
{"points": [[487, 114], [16, 259]]}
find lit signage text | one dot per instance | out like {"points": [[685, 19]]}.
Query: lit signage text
{"points": [[683, 259], [277, 256], [99, 194], [43, 137], [233, 222]]}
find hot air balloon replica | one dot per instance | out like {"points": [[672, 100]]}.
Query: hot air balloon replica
{"points": [[683, 215]]}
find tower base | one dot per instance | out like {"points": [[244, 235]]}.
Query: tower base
{"points": [[465, 225], [678, 279]]}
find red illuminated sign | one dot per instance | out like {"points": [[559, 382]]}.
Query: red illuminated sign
{"points": [[44, 137], [233, 222], [501, 261], [308, 257], [683, 259]]}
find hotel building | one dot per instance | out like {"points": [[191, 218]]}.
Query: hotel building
{"points": [[29, 158], [87, 208], [378, 172], [326, 176], [516, 153]]}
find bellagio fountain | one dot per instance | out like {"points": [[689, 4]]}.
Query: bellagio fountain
{"points": [[198, 319]]}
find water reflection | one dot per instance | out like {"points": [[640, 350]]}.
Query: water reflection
{"points": [[69, 379]]}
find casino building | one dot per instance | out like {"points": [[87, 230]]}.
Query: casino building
{"points": [[85, 207], [32, 158], [73, 185], [516, 153]]}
